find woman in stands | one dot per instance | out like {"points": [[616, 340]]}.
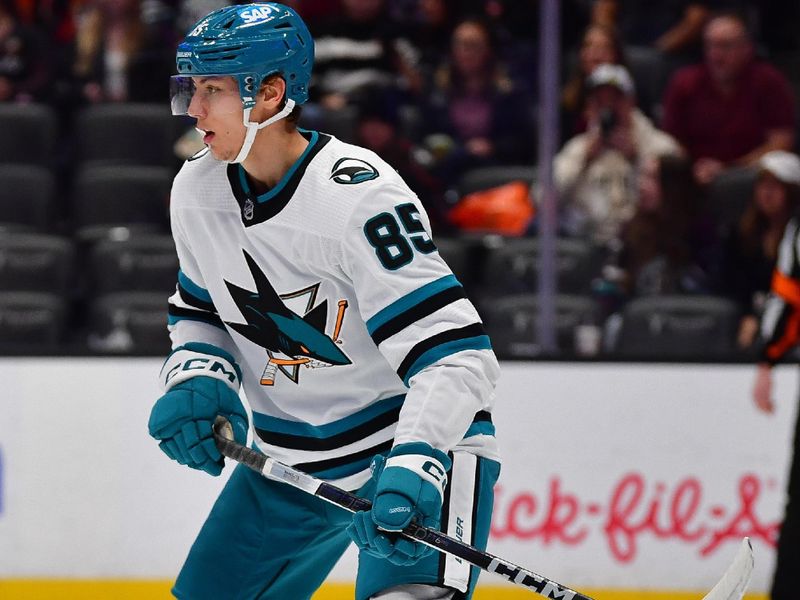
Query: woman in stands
{"points": [[475, 116], [601, 44], [751, 248]]}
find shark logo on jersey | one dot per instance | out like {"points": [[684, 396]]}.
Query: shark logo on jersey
{"points": [[353, 170], [291, 340]]}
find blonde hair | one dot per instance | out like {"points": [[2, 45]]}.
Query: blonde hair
{"points": [[92, 26]]}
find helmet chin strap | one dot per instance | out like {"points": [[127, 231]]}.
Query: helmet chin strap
{"points": [[253, 127]]}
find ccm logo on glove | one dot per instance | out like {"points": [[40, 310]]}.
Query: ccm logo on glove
{"points": [[435, 471], [184, 364], [201, 382]]}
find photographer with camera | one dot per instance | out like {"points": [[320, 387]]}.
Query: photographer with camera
{"points": [[596, 171]]}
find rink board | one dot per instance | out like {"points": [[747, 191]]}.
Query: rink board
{"points": [[616, 479], [159, 590]]}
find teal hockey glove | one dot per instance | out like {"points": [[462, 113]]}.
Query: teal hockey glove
{"points": [[410, 485], [201, 381]]}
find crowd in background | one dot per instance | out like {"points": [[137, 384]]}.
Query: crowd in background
{"points": [[660, 103]]}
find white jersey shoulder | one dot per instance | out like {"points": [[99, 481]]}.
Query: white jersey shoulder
{"points": [[341, 184]]}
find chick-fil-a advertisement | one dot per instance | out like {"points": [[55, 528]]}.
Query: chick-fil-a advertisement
{"points": [[614, 476], [639, 476]]}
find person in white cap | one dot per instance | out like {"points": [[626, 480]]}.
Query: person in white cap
{"points": [[780, 333], [783, 165], [595, 171], [750, 249]]}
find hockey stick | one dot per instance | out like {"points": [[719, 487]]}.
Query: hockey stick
{"points": [[731, 585], [272, 469], [734, 581]]}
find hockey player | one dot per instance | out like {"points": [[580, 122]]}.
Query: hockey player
{"points": [[309, 277]]}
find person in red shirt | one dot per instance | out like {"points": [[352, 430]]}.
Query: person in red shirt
{"points": [[731, 109]]}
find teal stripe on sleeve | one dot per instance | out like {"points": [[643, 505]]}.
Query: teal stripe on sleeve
{"points": [[480, 428], [410, 300], [191, 287], [173, 320], [436, 353]]}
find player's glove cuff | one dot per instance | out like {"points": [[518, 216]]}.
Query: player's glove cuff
{"points": [[196, 358], [426, 462]]}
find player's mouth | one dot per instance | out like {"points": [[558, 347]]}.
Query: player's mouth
{"points": [[207, 135]]}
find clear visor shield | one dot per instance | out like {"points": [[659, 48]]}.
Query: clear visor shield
{"points": [[218, 91]]}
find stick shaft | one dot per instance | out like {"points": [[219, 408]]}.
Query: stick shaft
{"points": [[272, 469], [733, 583]]}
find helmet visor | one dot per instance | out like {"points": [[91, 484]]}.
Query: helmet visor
{"points": [[218, 91]]}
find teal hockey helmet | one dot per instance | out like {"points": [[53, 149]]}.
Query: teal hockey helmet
{"points": [[248, 42]]}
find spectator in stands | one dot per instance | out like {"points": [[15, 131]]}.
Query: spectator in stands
{"points": [[673, 29], [595, 171], [110, 33], [600, 45], [665, 245], [356, 51], [514, 25], [54, 19], [731, 109], [379, 130], [425, 40], [751, 248], [24, 72], [515, 18], [154, 60], [474, 115], [660, 37]]}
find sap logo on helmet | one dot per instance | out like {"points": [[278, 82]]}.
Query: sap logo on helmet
{"points": [[257, 14], [353, 170]]}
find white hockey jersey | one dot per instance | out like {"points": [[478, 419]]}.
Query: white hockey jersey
{"points": [[351, 332]]}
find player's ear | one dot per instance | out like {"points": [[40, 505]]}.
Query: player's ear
{"points": [[273, 90]]}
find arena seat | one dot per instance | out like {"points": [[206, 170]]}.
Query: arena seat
{"points": [[140, 263], [511, 265], [483, 178], [31, 321], [36, 263], [129, 323], [126, 133], [729, 194], [511, 322], [134, 196], [463, 255], [678, 327], [26, 195], [29, 133]]}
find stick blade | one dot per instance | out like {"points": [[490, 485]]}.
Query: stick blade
{"points": [[735, 580]]}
